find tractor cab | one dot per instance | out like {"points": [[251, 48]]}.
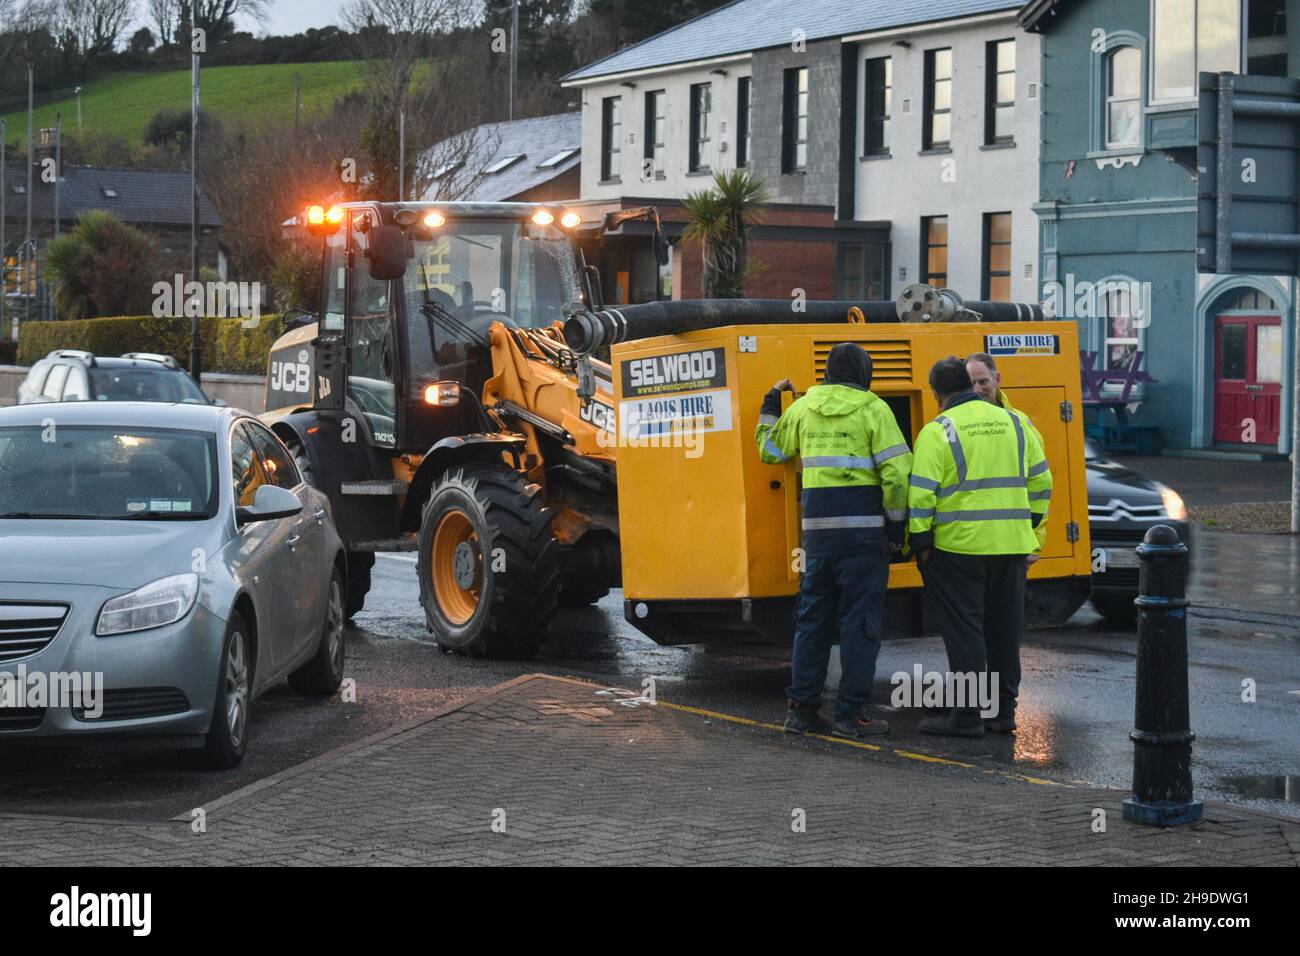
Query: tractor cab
{"points": [[409, 293]]}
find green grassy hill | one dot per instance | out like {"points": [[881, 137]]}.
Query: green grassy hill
{"points": [[123, 103]]}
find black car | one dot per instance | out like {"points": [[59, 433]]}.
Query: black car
{"points": [[71, 375], [1122, 506]]}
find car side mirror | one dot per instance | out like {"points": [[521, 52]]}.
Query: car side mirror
{"points": [[387, 252], [270, 502]]}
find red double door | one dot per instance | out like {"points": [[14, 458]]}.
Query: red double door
{"points": [[1247, 378]]}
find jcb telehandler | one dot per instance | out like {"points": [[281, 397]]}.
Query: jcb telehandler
{"points": [[450, 400]]}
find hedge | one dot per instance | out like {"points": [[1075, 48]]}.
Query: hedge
{"points": [[227, 345]]}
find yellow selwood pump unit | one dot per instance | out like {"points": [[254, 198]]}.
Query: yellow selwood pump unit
{"points": [[710, 534], [450, 399]]}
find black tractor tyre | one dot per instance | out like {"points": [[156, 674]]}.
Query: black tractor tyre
{"points": [[488, 563], [359, 565], [301, 460], [359, 562], [1117, 609]]}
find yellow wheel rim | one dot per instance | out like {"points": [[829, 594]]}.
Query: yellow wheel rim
{"points": [[457, 567]]}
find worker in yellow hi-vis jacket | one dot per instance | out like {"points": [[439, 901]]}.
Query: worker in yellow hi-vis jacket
{"points": [[980, 484], [986, 382], [855, 466]]}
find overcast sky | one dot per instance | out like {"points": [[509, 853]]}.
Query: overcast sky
{"points": [[294, 16]]}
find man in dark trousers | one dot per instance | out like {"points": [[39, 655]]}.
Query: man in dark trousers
{"points": [[855, 466], [976, 468]]}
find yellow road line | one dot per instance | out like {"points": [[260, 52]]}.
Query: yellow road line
{"points": [[905, 754]]}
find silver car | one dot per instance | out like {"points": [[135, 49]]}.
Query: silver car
{"points": [[170, 555]]}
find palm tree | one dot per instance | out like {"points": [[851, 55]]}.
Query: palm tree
{"points": [[720, 219], [103, 266]]}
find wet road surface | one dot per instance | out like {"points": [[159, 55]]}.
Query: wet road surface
{"points": [[1076, 706]]}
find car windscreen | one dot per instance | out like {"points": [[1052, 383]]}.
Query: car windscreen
{"points": [[129, 384], [107, 472]]}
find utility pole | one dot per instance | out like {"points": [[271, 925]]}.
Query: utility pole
{"points": [[514, 54], [58, 166], [196, 340], [297, 100], [401, 155], [27, 233]]}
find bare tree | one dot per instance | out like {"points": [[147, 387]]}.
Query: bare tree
{"points": [[95, 24], [217, 17], [16, 16], [393, 38], [166, 16], [265, 178]]}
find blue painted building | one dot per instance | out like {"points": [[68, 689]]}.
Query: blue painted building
{"points": [[1117, 212]]}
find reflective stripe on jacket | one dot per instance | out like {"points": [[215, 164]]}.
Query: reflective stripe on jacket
{"points": [[978, 478], [855, 464], [1037, 505]]}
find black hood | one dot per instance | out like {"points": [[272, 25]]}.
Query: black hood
{"points": [[1110, 480], [850, 365]]}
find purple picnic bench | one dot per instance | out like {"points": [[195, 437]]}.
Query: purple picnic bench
{"points": [[1122, 435]]}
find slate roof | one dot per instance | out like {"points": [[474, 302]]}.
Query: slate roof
{"points": [[1037, 13], [534, 140], [159, 197], [745, 25]]}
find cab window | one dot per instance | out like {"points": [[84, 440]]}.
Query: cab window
{"points": [[334, 298], [373, 346]]}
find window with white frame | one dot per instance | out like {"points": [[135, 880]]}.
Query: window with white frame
{"points": [[701, 142], [1190, 37], [611, 138], [656, 132], [1121, 311], [1123, 79]]}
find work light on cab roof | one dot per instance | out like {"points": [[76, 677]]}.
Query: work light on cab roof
{"points": [[322, 221]]}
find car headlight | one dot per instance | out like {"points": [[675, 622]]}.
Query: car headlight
{"points": [[1175, 507], [163, 602]]}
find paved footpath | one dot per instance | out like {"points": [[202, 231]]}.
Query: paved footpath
{"points": [[575, 773]]}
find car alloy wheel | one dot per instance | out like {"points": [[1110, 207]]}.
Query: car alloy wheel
{"points": [[236, 689], [334, 622]]}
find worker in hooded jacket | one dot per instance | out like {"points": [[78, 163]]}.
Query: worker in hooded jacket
{"points": [[855, 473]]}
